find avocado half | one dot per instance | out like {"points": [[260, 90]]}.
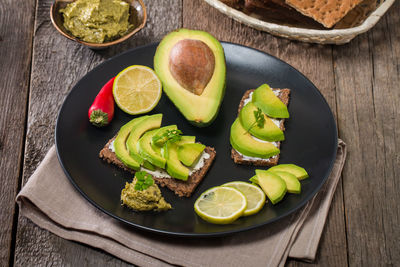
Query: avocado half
{"points": [[191, 67]]}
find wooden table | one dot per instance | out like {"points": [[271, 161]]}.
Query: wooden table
{"points": [[360, 81]]}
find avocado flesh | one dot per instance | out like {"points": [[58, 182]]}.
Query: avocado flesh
{"points": [[186, 139], [243, 142], [292, 183], [297, 171], [149, 123], [253, 179], [188, 154], [269, 132], [121, 150], [174, 167], [146, 150], [160, 142], [272, 185], [201, 109], [264, 98], [147, 165]]}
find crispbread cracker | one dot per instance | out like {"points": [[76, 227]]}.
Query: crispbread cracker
{"points": [[357, 15], [277, 11], [326, 12], [238, 158]]}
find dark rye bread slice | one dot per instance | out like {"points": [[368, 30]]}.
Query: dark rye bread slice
{"points": [[238, 158], [179, 187]]}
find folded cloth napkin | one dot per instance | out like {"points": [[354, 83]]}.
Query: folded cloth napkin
{"points": [[50, 201]]}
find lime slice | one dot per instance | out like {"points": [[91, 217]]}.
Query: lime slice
{"points": [[137, 89], [220, 205], [254, 195]]}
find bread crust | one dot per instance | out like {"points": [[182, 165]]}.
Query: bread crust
{"points": [[284, 96], [179, 187]]}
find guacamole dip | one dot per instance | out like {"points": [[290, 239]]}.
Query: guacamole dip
{"points": [[97, 21], [142, 200]]}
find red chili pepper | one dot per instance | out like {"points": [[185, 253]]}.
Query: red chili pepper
{"points": [[101, 112]]}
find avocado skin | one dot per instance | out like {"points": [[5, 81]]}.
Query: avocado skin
{"points": [[121, 150], [270, 132], [245, 144], [199, 110], [269, 103]]}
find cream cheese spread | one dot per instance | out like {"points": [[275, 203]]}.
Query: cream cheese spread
{"points": [[255, 158]]}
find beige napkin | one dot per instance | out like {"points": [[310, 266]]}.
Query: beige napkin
{"points": [[51, 202]]}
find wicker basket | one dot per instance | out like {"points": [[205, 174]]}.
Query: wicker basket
{"points": [[335, 36]]}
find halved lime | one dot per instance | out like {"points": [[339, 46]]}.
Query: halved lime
{"points": [[221, 205], [254, 195], [137, 89]]}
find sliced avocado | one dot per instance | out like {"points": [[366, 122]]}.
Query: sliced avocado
{"points": [[121, 150], [161, 139], [186, 139], [146, 150], [147, 164], [190, 153], [174, 166], [191, 67], [253, 179], [149, 123], [297, 171], [269, 132], [272, 185], [243, 142], [269, 103], [292, 183]]}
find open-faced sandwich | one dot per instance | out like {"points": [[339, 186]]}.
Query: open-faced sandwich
{"points": [[175, 161], [257, 133]]}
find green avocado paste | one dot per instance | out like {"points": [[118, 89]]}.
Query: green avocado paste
{"points": [[144, 200], [97, 21]]}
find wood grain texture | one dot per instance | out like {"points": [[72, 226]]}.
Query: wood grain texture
{"points": [[360, 82], [16, 28], [57, 65], [368, 76], [314, 61]]}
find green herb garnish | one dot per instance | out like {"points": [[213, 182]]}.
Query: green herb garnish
{"points": [[144, 181], [169, 135], [260, 120]]}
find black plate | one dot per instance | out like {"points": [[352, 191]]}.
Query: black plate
{"points": [[311, 141]]}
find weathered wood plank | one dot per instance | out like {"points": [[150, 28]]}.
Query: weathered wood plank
{"points": [[367, 77], [16, 31], [315, 61], [58, 63]]}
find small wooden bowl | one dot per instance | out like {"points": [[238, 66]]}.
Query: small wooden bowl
{"points": [[138, 17]]}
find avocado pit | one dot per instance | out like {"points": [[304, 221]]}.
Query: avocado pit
{"points": [[192, 64]]}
